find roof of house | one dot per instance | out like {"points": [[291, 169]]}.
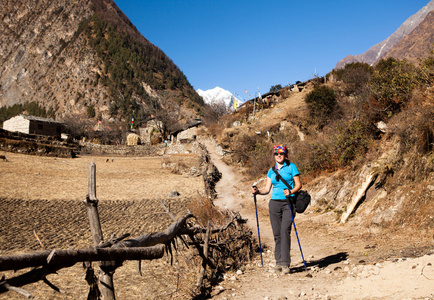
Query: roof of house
{"points": [[39, 119]]}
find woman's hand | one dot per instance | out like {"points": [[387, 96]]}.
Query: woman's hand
{"points": [[255, 190], [287, 192]]}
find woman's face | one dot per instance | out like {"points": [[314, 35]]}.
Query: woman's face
{"points": [[279, 157]]}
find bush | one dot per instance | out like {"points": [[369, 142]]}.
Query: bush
{"points": [[321, 102], [426, 71], [351, 141], [313, 157], [262, 159], [415, 129], [355, 76], [392, 83]]}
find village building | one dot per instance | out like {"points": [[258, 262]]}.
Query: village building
{"points": [[34, 125], [185, 135], [153, 132]]}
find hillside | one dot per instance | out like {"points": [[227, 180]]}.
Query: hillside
{"points": [[416, 44], [367, 141], [422, 36], [84, 59]]}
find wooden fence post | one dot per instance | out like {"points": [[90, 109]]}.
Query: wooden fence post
{"points": [[106, 268]]}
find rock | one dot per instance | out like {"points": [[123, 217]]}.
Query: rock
{"points": [[174, 193], [385, 216], [133, 139], [382, 126], [239, 272]]}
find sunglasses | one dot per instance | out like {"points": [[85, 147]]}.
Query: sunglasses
{"points": [[276, 154]]}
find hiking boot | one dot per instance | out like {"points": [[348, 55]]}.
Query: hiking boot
{"points": [[286, 270], [276, 268]]}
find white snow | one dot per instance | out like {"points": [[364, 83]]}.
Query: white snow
{"points": [[218, 95]]}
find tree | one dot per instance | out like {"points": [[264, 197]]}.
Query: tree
{"points": [[392, 83], [321, 102], [275, 88]]}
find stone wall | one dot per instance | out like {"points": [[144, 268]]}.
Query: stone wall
{"points": [[121, 150]]}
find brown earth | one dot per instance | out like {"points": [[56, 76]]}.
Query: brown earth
{"points": [[343, 261], [45, 194]]}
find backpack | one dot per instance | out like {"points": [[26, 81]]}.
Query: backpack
{"points": [[302, 201], [301, 198]]}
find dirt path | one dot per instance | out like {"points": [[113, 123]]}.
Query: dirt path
{"points": [[344, 262]]}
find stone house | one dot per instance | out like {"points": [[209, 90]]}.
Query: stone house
{"points": [[34, 125], [152, 133], [185, 135]]}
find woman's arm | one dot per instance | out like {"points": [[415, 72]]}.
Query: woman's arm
{"points": [[263, 191], [297, 186]]}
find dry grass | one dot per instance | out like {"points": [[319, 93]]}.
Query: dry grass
{"points": [[118, 178], [45, 194]]}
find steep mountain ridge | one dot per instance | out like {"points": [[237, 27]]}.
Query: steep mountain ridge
{"points": [[416, 44], [380, 50], [77, 57]]}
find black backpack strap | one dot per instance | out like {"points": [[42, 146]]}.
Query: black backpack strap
{"points": [[278, 177], [291, 199]]}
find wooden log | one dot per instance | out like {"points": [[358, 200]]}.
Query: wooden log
{"points": [[32, 276], [152, 239], [16, 290], [205, 254], [68, 257]]}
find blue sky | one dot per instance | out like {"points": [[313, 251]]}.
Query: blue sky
{"points": [[253, 45]]}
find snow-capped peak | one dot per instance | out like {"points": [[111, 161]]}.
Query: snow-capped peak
{"points": [[217, 95]]}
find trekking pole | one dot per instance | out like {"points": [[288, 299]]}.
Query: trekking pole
{"points": [[295, 229], [257, 223]]}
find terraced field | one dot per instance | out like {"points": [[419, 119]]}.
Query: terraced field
{"points": [[45, 195]]}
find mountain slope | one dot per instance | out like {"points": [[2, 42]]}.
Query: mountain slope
{"points": [[416, 44], [378, 51], [86, 58]]}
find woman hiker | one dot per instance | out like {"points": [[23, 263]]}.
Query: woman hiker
{"points": [[280, 217]]}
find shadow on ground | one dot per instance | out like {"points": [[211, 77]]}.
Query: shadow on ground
{"points": [[323, 262]]}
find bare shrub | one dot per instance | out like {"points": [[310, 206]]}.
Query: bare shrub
{"points": [[215, 129], [262, 159], [204, 209], [355, 77], [415, 129], [214, 111]]}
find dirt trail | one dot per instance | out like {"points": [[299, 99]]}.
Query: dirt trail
{"points": [[342, 261]]}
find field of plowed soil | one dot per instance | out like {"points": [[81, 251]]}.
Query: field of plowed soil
{"points": [[44, 195]]}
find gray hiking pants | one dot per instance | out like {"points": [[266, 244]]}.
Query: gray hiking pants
{"points": [[281, 223]]}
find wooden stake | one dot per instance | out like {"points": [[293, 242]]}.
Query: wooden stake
{"points": [[91, 202]]}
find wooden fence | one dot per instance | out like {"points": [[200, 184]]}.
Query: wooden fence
{"points": [[211, 244]]}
